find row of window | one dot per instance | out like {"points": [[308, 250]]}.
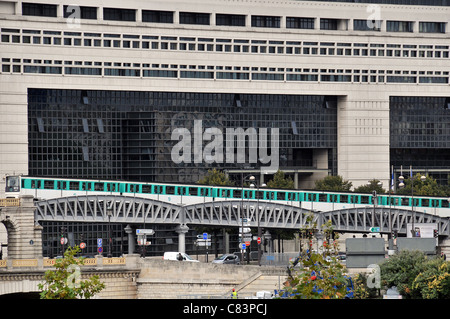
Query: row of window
{"points": [[219, 72], [237, 20], [222, 45]]}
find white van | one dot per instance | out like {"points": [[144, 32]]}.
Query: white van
{"points": [[175, 255]]}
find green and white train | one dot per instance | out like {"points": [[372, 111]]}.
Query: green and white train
{"points": [[47, 188]]}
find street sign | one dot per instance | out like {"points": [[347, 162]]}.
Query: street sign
{"points": [[243, 246], [82, 245], [205, 236], [99, 242], [63, 240], [375, 229], [203, 243], [258, 240], [247, 243], [100, 250], [145, 232]]}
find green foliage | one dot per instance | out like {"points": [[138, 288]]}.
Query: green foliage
{"points": [[333, 183], [434, 281], [372, 186], [428, 187], [65, 281], [215, 177], [400, 270], [279, 180]]}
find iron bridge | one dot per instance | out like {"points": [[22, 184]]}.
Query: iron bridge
{"points": [[134, 210]]}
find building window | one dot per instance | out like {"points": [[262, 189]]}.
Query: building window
{"points": [[235, 20], [194, 18], [265, 22], [399, 26], [39, 10], [329, 24], [367, 25], [157, 16], [299, 23], [119, 14], [432, 27], [85, 12]]}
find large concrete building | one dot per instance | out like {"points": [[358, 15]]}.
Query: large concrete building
{"points": [[95, 89]]}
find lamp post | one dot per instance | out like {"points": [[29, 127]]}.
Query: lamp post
{"points": [[250, 178], [109, 212], [259, 226], [401, 184]]}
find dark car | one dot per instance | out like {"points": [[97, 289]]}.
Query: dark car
{"points": [[227, 259]]}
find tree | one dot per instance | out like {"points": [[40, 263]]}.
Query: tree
{"points": [[333, 183], [427, 187], [215, 177], [374, 185], [434, 281], [401, 270], [279, 180], [65, 281]]}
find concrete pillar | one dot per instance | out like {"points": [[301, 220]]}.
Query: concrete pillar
{"points": [[131, 245], [182, 229]]}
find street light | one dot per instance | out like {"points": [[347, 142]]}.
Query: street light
{"points": [[251, 178], [109, 212], [259, 226]]}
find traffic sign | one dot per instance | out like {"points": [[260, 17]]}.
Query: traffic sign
{"points": [[205, 236], [258, 240], [145, 232], [82, 245], [99, 242], [375, 229], [63, 240], [243, 246], [247, 243], [100, 250]]}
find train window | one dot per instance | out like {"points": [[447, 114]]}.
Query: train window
{"points": [[323, 198], [281, 196], [193, 191], [49, 184], [74, 186], [170, 190], [12, 183], [344, 199], [35, 183], [365, 199], [147, 189], [237, 193], [98, 186]]}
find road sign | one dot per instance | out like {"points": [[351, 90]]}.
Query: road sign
{"points": [[100, 250], [258, 240], [375, 229], [203, 243], [63, 240], [243, 246], [82, 245], [99, 242], [247, 243], [145, 232], [205, 236]]}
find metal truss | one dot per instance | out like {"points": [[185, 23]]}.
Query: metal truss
{"points": [[128, 210]]}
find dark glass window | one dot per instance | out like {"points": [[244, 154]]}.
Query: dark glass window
{"points": [[329, 24], [39, 9], [399, 26], [85, 12], [366, 25], [432, 27], [157, 16], [299, 23], [194, 18], [235, 20], [265, 21], [119, 14]]}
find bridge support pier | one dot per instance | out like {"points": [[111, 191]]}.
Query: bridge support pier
{"points": [[131, 246], [182, 229], [24, 235]]}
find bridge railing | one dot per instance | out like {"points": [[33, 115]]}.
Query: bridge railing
{"points": [[9, 202], [49, 262]]}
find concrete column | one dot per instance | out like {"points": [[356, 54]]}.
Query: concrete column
{"points": [[182, 229], [129, 231]]}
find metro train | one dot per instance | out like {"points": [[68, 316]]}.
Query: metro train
{"points": [[47, 188]]}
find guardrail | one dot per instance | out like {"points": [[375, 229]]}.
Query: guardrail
{"points": [[9, 202]]}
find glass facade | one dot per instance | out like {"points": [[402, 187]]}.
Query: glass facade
{"points": [[420, 134], [126, 135]]}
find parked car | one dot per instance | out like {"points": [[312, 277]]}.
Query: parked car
{"points": [[176, 255], [227, 259]]}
